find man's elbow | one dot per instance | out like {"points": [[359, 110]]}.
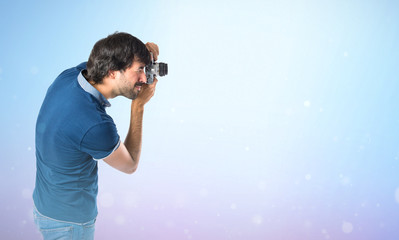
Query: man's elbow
{"points": [[130, 171], [132, 168]]}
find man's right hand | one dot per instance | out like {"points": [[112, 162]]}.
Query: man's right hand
{"points": [[146, 93]]}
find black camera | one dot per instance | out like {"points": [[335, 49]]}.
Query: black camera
{"points": [[155, 69]]}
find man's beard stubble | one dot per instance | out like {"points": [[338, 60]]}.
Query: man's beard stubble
{"points": [[136, 92], [131, 93]]}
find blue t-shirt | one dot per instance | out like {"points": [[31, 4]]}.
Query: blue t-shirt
{"points": [[72, 132]]}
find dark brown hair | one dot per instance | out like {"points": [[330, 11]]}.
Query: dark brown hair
{"points": [[115, 53]]}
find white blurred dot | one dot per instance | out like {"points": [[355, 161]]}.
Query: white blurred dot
{"points": [[257, 219], [233, 206], [306, 103], [131, 200], [34, 70], [180, 200], [308, 224], [203, 192], [346, 181], [173, 110], [397, 195], [120, 220], [347, 227], [26, 193], [29, 148], [30, 215], [289, 112], [308, 177], [346, 54], [106, 200], [262, 186], [246, 148], [321, 110], [170, 224], [181, 121]]}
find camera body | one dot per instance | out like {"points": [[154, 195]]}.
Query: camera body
{"points": [[155, 69]]}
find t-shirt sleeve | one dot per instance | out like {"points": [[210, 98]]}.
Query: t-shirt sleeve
{"points": [[100, 140]]}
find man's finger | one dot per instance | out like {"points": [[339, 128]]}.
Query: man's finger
{"points": [[152, 47]]}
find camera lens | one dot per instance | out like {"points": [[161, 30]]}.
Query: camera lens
{"points": [[163, 69]]}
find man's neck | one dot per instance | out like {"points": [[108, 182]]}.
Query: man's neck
{"points": [[104, 90]]}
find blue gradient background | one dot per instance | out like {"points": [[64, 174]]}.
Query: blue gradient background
{"points": [[278, 119]]}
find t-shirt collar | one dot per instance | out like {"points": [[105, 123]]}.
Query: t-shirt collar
{"points": [[93, 91]]}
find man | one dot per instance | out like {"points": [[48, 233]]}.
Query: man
{"points": [[73, 132]]}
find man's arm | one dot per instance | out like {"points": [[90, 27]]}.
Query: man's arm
{"points": [[126, 157]]}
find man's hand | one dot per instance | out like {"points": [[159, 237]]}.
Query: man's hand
{"points": [[146, 93], [152, 47], [147, 90]]}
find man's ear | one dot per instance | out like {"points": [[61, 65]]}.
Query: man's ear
{"points": [[113, 74]]}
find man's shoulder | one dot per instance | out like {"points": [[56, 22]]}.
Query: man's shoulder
{"points": [[73, 71], [81, 66]]}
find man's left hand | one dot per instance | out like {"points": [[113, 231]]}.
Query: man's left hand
{"points": [[152, 47]]}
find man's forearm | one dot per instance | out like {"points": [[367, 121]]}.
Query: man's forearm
{"points": [[134, 136]]}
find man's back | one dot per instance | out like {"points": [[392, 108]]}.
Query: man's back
{"points": [[72, 128]]}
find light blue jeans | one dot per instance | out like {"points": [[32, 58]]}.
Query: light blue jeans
{"points": [[60, 230]]}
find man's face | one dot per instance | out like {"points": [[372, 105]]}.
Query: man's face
{"points": [[131, 80]]}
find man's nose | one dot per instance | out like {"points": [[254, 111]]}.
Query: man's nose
{"points": [[143, 78]]}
